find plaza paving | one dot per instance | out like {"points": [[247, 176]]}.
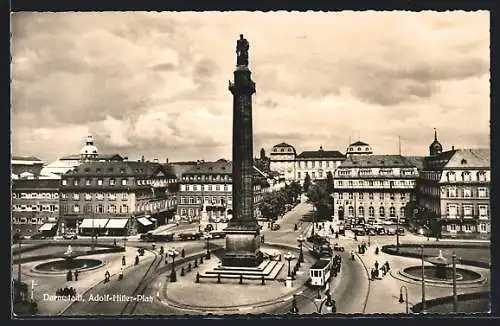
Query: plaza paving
{"points": [[47, 284]]}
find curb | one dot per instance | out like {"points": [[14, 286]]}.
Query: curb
{"points": [[369, 281]]}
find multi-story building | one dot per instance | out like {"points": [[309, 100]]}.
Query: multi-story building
{"points": [[317, 164], [454, 191], [208, 186], [35, 206], [374, 187], [117, 197], [283, 160]]}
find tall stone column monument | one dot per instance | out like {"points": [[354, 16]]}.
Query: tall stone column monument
{"points": [[242, 232]]}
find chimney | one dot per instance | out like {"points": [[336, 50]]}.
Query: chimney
{"points": [[125, 158], [142, 158], [452, 148], [166, 160]]}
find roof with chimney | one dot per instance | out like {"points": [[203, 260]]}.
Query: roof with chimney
{"points": [[120, 169]]}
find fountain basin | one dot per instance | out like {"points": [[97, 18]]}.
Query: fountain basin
{"points": [[442, 275], [61, 266]]}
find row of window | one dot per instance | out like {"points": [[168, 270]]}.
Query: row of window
{"points": [[375, 183], [76, 208], [206, 187], [321, 175], [467, 228], [213, 177], [36, 208], [35, 195], [466, 176], [464, 192], [452, 210], [368, 172], [312, 164], [26, 220], [124, 182], [214, 200], [371, 195], [97, 196], [371, 211]]}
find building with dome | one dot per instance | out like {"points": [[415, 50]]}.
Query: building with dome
{"points": [[359, 148], [89, 151], [453, 194]]}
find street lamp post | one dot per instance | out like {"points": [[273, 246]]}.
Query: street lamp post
{"points": [[289, 257], [328, 302], [207, 238], [423, 279], [455, 297], [173, 253], [397, 233], [301, 239], [401, 300]]}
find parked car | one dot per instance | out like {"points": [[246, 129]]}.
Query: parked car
{"points": [[38, 236], [275, 227], [217, 234], [70, 236], [390, 232]]}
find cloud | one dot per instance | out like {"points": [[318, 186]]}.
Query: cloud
{"points": [[147, 83]]}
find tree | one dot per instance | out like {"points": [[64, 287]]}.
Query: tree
{"points": [[295, 189], [329, 182], [262, 154], [320, 198], [307, 182]]}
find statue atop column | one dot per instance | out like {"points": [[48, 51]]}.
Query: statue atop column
{"points": [[242, 47]]}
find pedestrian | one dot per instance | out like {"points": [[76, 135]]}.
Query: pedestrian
{"points": [[262, 239], [352, 254], [76, 275], [376, 251], [295, 228], [183, 253], [120, 276], [123, 261], [154, 246], [387, 266], [372, 272], [114, 243], [376, 264], [136, 260]]}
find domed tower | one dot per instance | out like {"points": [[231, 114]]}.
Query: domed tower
{"points": [[89, 151], [435, 148]]}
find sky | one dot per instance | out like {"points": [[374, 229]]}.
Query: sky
{"points": [[155, 83]]}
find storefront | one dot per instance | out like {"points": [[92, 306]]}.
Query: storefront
{"points": [[93, 226], [48, 229], [144, 225], [117, 227]]}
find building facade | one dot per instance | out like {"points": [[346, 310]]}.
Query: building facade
{"points": [[282, 160], [116, 197], [374, 188], [207, 187], [35, 206], [317, 164], [454, 192]]}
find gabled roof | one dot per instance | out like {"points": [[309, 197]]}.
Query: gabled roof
{"points": [[359, 143], [320, 154], [26, 158], [219, 167], [71, 157], [372, 161], [418, 161], [460, 158]]}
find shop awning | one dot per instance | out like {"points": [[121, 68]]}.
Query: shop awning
{"points": [[94, 223], [144, 221], [116, 223], [47, 227]]}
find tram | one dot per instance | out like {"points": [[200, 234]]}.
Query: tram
{"points": [[320, 272]]}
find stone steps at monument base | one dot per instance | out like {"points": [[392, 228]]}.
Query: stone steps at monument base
{"points": [[259, 268], [271, 272], [235, 271]]}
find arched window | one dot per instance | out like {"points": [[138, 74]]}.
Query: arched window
{"points": [[402, 212], [361, 211], [392, 212], [381, 211], [371, 211], [351, 211]]}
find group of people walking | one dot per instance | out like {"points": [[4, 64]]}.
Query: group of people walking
{"points": [[66, 291], [375, 272]]}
